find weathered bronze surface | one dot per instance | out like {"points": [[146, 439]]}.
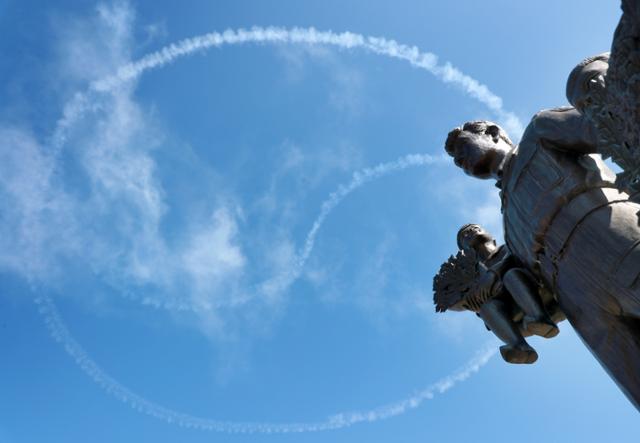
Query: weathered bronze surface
{"points": [[567, 221]]}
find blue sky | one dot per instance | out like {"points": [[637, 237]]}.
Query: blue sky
{"points": [[166, 214]]}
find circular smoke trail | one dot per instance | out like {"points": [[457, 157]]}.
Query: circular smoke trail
{"points": [[427, 61], [82, 103]]}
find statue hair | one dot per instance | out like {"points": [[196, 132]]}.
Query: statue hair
{"points": [[475, 127]]}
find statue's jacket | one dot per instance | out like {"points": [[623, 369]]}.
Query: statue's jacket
{"points": [[579, 235]]}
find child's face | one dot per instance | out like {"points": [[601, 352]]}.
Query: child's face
{"points": [[580, 90], [474, 236]]}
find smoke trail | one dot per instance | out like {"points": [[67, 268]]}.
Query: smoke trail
{"points": [[82, 103], [61, 334], [281, 282], [358, 179], [346, 40]]}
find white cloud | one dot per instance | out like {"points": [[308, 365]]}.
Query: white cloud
{"points": [[36, 224], [212, 256], [92, 193], [115, 224]]}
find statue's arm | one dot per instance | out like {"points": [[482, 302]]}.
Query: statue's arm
{"points": [[565, 129]]}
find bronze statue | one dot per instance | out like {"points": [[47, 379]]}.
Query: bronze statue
{"points": [[567, 219], [569, 225], [486, 279]]}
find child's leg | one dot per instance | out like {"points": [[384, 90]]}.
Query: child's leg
{"points": [[496, 317], [525, 293]]}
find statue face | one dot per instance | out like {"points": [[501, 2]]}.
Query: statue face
{"points": [[474, 236], [580, 89], [481, 154]]}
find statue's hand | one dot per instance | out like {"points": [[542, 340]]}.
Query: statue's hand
{"points": [[485, 284]]}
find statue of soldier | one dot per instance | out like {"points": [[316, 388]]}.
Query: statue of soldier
{"points": [[570, 226], [566, 218]]}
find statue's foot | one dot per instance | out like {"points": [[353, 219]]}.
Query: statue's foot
{"points": [[543, 327], [518, 354]]}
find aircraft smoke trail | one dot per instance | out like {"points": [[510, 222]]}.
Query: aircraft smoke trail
{"points": [[281, 282], [346, 40], [63, 336], [358, 179], [86, 102], [447, 73]]}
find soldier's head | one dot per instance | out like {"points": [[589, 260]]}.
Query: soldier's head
{"points": [[580, 81], [479, 148], [473, 236]]}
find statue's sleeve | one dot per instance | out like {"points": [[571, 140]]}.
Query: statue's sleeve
{"points": [[565, 129]]}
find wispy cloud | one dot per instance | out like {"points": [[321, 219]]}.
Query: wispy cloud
{"points": [[36, 223], [113, 221], [92, 193], [116, 224]]}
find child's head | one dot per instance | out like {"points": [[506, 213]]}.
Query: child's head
{"points": [[579, 81], [471, 236]]}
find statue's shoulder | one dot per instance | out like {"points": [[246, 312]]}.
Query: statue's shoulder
{"points": [[546, 124], [547, 129]]}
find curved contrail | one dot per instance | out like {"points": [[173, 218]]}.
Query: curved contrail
{"points": [[83, 102], [282, 281], [427, 61], [61, 334], [346, 40]]}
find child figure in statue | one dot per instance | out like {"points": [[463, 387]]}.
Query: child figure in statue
{"points": [[486, 279]]}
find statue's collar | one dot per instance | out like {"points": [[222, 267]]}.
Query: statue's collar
{"points": [[506, 168]]}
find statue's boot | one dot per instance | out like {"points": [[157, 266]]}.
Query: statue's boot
{"points": [[521, 353], [542, 326]]}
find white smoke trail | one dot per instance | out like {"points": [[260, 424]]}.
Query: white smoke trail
{"points": [[346, 40], [281, 282], [82, 103], [61, 334], [360, 178]]}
